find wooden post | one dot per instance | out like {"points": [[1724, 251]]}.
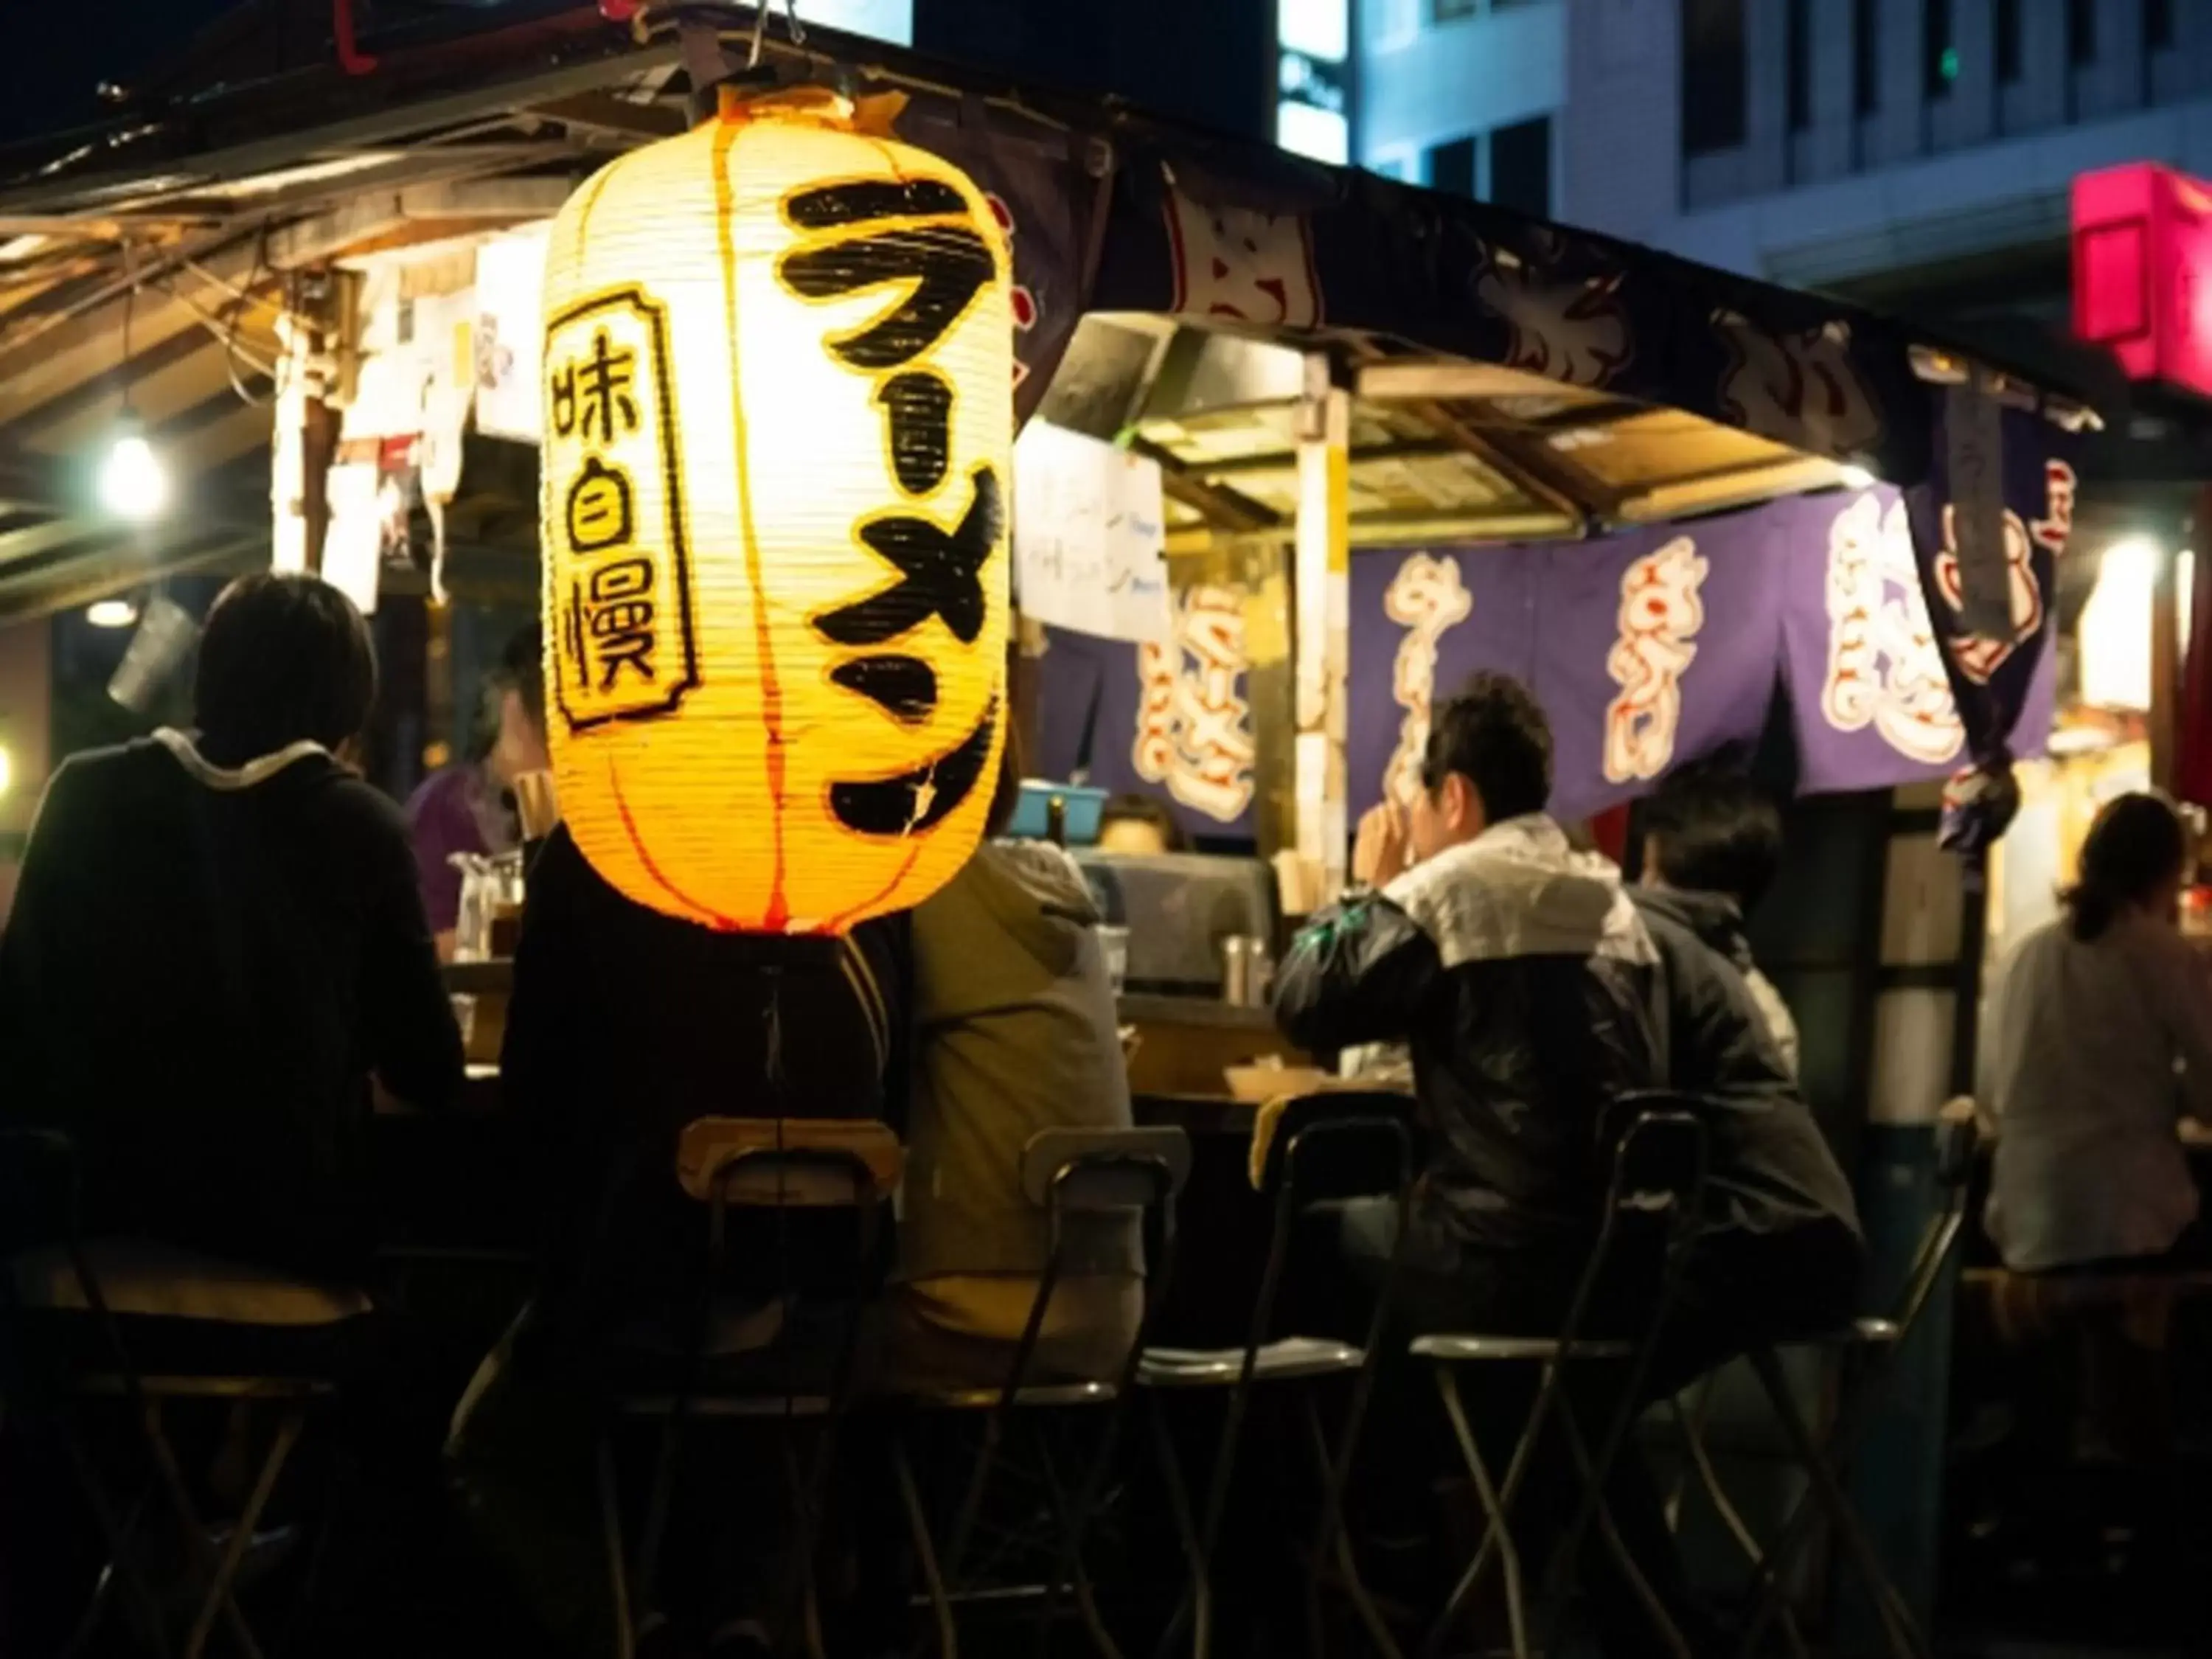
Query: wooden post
{"points": [[306, 431], [2165, 646], [1321, 571]]}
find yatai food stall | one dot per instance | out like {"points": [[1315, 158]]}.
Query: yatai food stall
{"points": [[1389, 435], [1394, 436]]}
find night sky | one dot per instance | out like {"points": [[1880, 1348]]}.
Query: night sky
{"points": [[57, 54]]}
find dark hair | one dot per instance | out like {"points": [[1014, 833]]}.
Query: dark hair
{"points": [[1494, 735], [1007, 795], [283, 656], [1713, 831], [522, 671], [2135, 845], [1145, 809]]}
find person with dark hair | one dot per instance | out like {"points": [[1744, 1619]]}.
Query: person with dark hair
{"points": [[1514, 968], [217, 942], [1517, 973], [1781, 1253], [624, 1026], [1713, 840], [1532, 992], [469, 807], [1016, 1031], [1141, 824], [2100, 1041]]}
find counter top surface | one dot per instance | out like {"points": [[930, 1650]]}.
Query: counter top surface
{"points": [[1140, 1009]]}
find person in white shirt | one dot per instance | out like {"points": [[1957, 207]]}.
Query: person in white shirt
{"points": [[2101, 1041]]}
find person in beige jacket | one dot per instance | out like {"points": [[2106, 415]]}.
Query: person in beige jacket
{"points": [[1016, 1031]]}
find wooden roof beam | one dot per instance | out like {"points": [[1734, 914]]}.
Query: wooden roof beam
{"points": [[1529, 467], [1223, 506]]}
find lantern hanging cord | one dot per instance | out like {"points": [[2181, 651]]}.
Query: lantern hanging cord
{"points": [[761, 10], [130, 303]]}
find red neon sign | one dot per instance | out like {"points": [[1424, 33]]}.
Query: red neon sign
{"points": [[2143, 271]]}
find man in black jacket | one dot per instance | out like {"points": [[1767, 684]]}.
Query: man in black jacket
{"points": [[1531, 992]]}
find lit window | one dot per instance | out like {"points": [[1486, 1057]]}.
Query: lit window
{"points": [[1319, 28], [1321, 134], [878, 20]]}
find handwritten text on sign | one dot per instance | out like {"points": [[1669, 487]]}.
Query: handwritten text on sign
{"points": [[1090, 534]]}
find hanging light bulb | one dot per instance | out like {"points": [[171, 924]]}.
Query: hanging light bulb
{"points": [[134, 480], [111, 613], [134, 483]]}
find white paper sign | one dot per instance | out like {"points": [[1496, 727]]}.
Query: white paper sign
{"points": [[510, 336], [1089, 536], [352, 546]]}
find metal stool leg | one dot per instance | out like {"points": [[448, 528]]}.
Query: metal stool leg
{"points": [[1497, 1535], [119, 1537], [1331, 1542], [1197, 1602], [241, 1533], [1593, 1481], [1088, 1499], [196, 1540], [1900, 1630], [1086, 1601], [1698, 1458], [925, 1549], [617, 1562]]}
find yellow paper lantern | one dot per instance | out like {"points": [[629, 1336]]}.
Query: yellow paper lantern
{"points": [[777, 430]]}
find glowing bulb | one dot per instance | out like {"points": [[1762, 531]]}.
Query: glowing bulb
{"points": [[133, 482], [111, 613], [2115, 635], [7, 769], [1855, 477]]}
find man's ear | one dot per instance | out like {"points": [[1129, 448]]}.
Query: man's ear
{"points": [[1464, 802]]}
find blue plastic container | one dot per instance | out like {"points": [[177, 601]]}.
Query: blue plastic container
{"points": [[1033, 814]]}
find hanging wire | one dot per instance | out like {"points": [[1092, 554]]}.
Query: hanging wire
{"points": [[234, 314], [760, 32], [792, 23], [130, 303]]}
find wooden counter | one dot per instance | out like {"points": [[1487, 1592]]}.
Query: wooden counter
{"points": [[1184, 1043]]}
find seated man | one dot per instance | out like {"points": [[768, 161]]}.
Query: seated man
{"points": [[1016, 1032], [623, 1027], [1519, 975], [1531, 993], [1713, 840], [218, 940]]}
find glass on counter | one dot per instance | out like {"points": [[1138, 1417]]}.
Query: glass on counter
{"points": [[1114, 945]]}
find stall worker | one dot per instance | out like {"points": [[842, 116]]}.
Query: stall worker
{"points": [[468, 807], [1016, 1031], [1139, 824]]}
